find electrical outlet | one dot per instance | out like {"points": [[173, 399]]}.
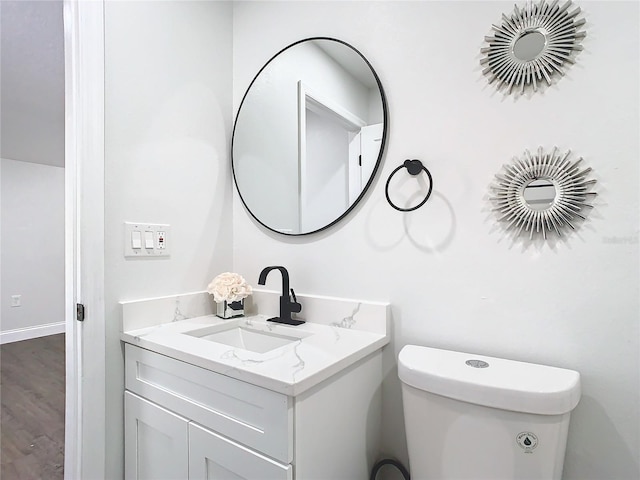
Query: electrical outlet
{"points": [[160, 240], [16, 300]]}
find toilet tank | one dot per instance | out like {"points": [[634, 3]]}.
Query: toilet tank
{"points": [[476, 417]]}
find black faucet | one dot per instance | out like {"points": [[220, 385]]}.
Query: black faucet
{"points": [[288, 304]]}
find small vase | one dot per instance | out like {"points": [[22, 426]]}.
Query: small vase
{"points": [[230, 309]]}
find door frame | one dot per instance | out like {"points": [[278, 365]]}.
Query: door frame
{"points": [[85, 407], [327, 107]]}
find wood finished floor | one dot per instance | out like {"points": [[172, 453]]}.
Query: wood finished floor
{"points": [[32, 390]]}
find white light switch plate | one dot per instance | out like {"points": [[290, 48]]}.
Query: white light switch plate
{"points": [[160, 236]]}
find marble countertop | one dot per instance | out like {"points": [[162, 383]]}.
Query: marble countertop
{"points": [[291, 369]]}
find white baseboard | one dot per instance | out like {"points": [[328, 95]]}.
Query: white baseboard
{"points": [[31, 332]]}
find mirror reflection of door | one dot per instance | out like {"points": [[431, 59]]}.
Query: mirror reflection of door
{"points": [[371, 141], [338, 153], [324, 182]]}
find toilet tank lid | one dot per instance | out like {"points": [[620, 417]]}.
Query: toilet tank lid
{"points": [[489, 381]]}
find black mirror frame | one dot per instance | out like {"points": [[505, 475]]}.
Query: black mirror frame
{"points": [[385, 119]]}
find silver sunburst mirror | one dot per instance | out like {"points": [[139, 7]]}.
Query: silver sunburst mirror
{"points": [[533, 44], [541, 193]]}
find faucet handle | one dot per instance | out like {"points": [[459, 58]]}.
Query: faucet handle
{"points": [[295, 306]]}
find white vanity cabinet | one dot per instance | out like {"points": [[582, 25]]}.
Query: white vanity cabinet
{"points": [[215, 457], [157, 443], [162, 445], [183, 421]]}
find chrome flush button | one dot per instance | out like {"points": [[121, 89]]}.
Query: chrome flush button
{"points": [[477, 363]]}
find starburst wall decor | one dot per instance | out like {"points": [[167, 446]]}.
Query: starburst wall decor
{"points": [[542, 193], [533, 44]]}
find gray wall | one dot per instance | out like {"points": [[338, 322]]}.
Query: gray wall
{"points": [[32, 153], [32, 81], [32, 200]]}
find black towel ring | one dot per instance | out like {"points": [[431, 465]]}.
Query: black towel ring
{"points": [[414, 167]]}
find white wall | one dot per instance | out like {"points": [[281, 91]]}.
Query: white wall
{"points": [[454, 279], [32, 259], [167, 130]]}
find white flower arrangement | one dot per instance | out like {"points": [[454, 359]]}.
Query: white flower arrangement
{"points": [[229, 287]]}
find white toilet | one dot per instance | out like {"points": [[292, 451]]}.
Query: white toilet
{"points": [[476, 417]]}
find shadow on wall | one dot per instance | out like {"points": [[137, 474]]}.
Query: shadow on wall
{"points": [[430, 229], [590, 420], [394, 442]]}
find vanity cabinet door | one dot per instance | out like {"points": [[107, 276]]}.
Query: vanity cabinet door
{"points": [[252, 415], [156, 441], [214, 457]]}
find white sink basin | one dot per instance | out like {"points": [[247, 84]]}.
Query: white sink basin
{"points": [[257, 340]]}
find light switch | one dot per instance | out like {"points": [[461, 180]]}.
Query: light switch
{"points": [[148, 239], [136, 239]]}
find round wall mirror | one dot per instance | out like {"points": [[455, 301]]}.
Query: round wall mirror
{"points": [[539, 193], [532, 45], [529, 46], [542, 193], [309, 136]]}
